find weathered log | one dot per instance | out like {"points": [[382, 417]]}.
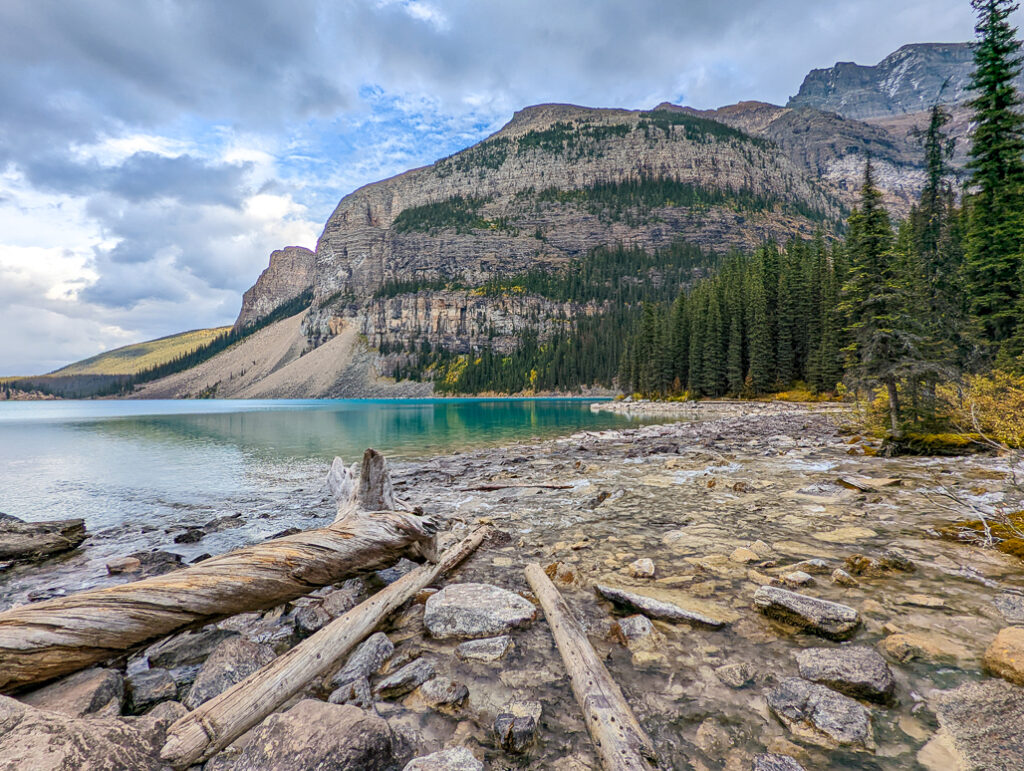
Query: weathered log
{"points": [[218, 722], [51, 638], [493, 488], [620, 741]]}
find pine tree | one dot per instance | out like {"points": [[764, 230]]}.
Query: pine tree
{"points": [[996, 232], [762, 361]]}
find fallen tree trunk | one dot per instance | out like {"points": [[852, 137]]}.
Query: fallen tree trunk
{"points": [[620, 741], [218, 722], [51, 638]]}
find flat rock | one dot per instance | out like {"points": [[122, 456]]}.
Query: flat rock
{"points": [[440, 693], [451, 759], [186, 648], [845, 535], [317, 735], [820, 715], [926, 646], [855, 670], [743, 555], [405, 679], [20, 540], [655, 606], [770, 761], [88, 692], [38, 740], [487, 649], [980, 728], [821, 617], [124, 565], [230, 663], [149, 687], [475, 610], [1005, 656]]}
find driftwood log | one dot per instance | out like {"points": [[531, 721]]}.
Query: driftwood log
{"points": [[46, 639], [218, 722], [620, 741]]}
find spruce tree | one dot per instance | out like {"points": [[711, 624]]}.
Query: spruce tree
{"points": [[995, 231], [762, 360]]}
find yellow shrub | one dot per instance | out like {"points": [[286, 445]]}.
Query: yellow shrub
{"points": [[990, 404]]}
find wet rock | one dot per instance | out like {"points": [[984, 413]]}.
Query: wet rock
{"points": [[1005, 656], [150, 687], [855, 670], [314, 734], [841, 578], [452, 759], [979, 729], [743, 555], [405, 679], [89, 692], [186, 648], [440, 693], [712, 738], [735, 675], [798, 578], [892, 560], [475, 610], [224, 523], [516, 726], [927, 646], [124, 565], [26, 541], [821, 617], [1011, 606], [32, 739], [642, 568], [487, 649], [191, 535], [769, 761], [168, 711], [644, 641], [820, 715], [816, 567], [657, 608], [157, 562], [231, 662]]}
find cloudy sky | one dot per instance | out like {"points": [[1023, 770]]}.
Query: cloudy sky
{"points": [[154, 152]]}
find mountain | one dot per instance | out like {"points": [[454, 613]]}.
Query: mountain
{"points": [[132, 359], [533, 249]]}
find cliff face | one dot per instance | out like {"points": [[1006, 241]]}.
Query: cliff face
{"points": [[289, 275]]}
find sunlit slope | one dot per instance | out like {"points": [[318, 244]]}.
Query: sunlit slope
{"points": [[132, 359]]}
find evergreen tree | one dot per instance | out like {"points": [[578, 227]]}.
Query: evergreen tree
{"points": [[762, 362], [996, 232]]}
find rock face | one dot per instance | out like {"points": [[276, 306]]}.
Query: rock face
{"points": [[21, 540], [475, 610], [314, 734], [820, 715], [857, 671], [290, 274], [827, 619], [980, 727]]}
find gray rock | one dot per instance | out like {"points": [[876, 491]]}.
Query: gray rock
{"points": [[338, 601], [452, 759], [516, 726], [187, 648], [855, 670], [633, 629], [820, 715], [736, 675], [317, 735], [487, 649], [35, 740], [769, 761], [475, 610], [310, 618], [88, 692], [405, 679], [440, 693], [657, 608], [841, 578], [149, 687], [1011, 606], [157, 562], [982, 725], [366, 660], [356, 692], [168, 711], [396, 571], [230, 663], [816, 567], [798, 578], [21, 540], [827, 619]]}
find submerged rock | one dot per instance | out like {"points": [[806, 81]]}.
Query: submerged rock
{"points": [[769, 761], [658, 608], [475, 610], [820, 715], [89, 692], [855, 670], [927, 646], [315, 734], [230, 663], [452, 759], [822, 617], [1005, 656], [980, 729], [486, 649], [20, 540], [735, 675]]}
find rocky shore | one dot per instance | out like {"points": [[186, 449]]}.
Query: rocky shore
{"points": [[767, 594]]}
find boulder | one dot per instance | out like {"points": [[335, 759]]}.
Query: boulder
{"points": [[892, 560], [315, 734], [452, 759], [230, 663], [816, 567], [20, 540], [310, 617], [36, 740], [655, 607], [475, 610], [769, 761], [400, 682], [89, 692], [855, 670], [149, 687], [156, 562], [439, 693], [516, 726], [820, 715], [979, 729], [821, 617], [1005, 656], [487, 649]]}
